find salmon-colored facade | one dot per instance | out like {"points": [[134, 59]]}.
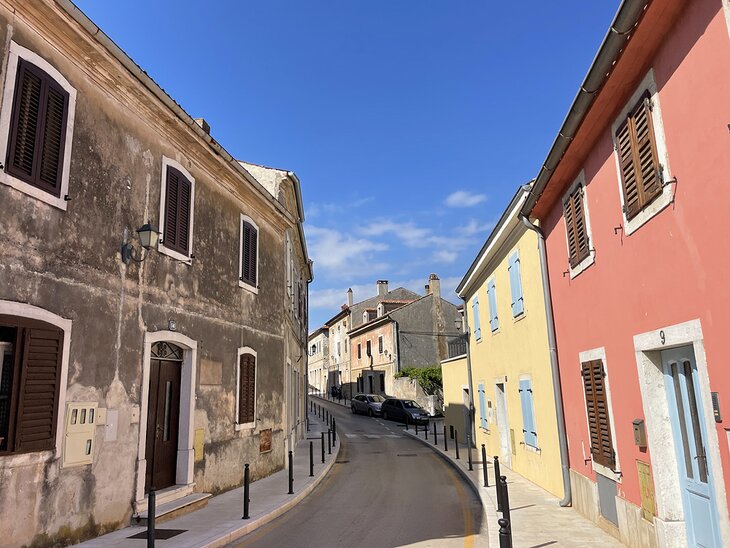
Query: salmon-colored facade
{"points": [[651, 287]]}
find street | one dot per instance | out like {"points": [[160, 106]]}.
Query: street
{"points": [[385, 490]]}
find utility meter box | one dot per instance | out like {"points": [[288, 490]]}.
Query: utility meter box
{"points": [[78, 447], [639, 433]]}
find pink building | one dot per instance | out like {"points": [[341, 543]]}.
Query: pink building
{"points": [[632, 202]]}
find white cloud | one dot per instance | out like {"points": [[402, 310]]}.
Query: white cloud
{"points": [[474, 227], [463, 198], [333, 251], [444, 256]]}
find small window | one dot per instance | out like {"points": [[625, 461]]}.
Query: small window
{"points": [[515, 283], [529, 430], [641, 174], [492, 298], [249, 253], [246, 412], [599, 422], [368, 350], [176, 210], [477, 321], [380, 344], [575, 226], [365, 317], [339, 348], [359, 351]]}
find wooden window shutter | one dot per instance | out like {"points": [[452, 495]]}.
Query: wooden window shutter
{"points": [[39, 389], [178, 201], [638, 162], [37, 129], [575, 224], [249, 257], [246, 389], [598, 420]]}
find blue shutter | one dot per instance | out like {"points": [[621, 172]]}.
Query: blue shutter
{"points": [[477, 323], [483, 407], [492, 294], [515, 282], [528, 413]]}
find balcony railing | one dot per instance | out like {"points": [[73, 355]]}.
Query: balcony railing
{"points": [[457, 347]]}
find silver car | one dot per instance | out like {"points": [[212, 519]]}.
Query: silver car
{"points": [[368, 404]]}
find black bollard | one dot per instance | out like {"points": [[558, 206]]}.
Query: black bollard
{"points": [[505, 533], [151, 518], [322, 447], [416, 423], [291, 474], [456, 443], [446, 443], [329, 442], [334, 432], [468, 451], [484, 466], [505, 501], [245, 491], [311, 459], [407, 421], [425, 431], [435, 435], [496, 483]]}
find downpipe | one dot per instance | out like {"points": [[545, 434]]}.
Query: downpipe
{"points": [[554, 365]]}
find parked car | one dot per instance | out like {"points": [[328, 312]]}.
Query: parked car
{"points": [[404, 410], [368, 404]]}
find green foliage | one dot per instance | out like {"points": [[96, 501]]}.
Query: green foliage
{"points": [[428, 377]]}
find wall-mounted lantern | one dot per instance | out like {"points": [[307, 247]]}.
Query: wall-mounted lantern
{"points": [[148, 237]]}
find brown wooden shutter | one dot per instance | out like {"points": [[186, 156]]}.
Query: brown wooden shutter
{"points": [[178, 203], [246, 389], [578, 244], [39, 388], [249, 256], [638, 161], [37, 129], [598, 420]]}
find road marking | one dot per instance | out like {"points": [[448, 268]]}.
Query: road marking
{"points": [[373, 436], [351, 435]]}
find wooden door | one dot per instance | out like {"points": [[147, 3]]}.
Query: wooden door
{"points": [[163, 420]]}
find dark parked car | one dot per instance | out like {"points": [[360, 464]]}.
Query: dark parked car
{"points": [[367, 403], [404, 410]]}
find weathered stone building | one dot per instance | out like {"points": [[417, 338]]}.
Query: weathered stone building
{"points": [[167, 367], [318, 365]]}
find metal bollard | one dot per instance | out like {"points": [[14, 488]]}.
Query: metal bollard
{"points": [[311, 459], [435, 435], [456, 442], [496, 483], [505, 533], [451, 431], [407, 421], [425, 430], [322, 447], [246, 500], [329, 442], [291, 474], [468, 451], [151, 518], [505, 502], [416, 423], [446, 443], [334, 432], [484, 466]]}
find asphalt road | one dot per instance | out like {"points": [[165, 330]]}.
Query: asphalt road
{"points": [[385, 490]]}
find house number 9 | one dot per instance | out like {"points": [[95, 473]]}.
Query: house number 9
{"points": [[662, 337]]}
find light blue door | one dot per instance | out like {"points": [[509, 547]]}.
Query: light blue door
{"points": [[690, 436]]}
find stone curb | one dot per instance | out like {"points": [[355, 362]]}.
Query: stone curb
{"points": [[252, 525]]}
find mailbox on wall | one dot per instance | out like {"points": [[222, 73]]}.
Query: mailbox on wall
{"points": [[81, 420], [639, 433]]}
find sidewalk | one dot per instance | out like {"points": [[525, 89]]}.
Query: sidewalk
{"points": [[220, 523], [537, 519]]}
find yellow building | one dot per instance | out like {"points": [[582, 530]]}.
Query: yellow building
{"points": [[515, 413]]}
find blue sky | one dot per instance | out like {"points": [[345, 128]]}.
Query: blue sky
{"points": [[410, 123]]}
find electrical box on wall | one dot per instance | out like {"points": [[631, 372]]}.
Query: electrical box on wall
{"points": [[639, 433], [78, 446]]}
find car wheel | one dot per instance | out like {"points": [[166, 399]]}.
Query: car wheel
{"points": [[370, 413], [353, 410]]}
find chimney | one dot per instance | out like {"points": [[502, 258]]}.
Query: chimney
{"points": [[203, 124], [349, 297], [434, 285], [382, 286]]}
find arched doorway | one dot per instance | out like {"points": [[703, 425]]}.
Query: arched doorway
{"points": [[163, 414]]}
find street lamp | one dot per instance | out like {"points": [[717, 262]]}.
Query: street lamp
{"points": [[148, 237]]}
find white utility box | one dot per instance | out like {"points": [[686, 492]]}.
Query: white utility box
{"points": [[81, 420]]}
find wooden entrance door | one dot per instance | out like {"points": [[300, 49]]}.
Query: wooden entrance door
{"points": [[163, 418]]}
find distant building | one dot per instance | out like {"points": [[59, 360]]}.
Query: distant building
{"points": [[319, 359]]}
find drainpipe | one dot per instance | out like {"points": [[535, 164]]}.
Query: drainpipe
{"points": [[397, 347], [554, 366], [467, 332]]}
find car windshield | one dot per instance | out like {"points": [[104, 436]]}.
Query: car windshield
{"points": [[410, 404], [376, 398]]}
